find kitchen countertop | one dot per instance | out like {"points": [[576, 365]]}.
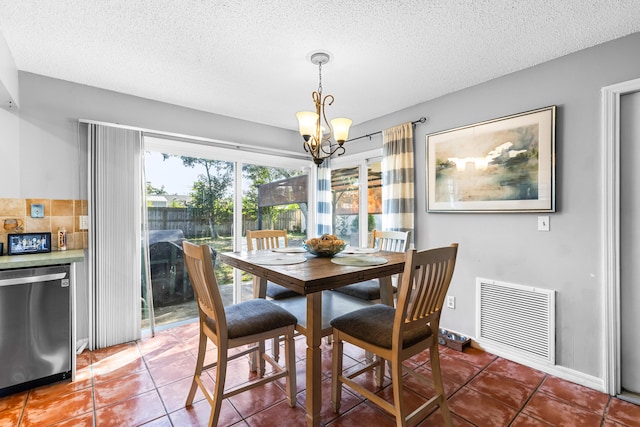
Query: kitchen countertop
{"points": [[36, 260]]}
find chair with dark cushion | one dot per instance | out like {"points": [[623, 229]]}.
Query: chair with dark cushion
{"points": [[392, 241], [237, 325], [397, 334]]}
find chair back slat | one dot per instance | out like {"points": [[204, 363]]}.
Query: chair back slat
{"points": [[391, 241], [197, 258], [426, 278], [266, 239]]}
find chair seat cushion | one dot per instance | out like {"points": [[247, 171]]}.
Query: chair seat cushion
{"points": [[254, 317], [368, 290], [375, 325], [276, 291]]}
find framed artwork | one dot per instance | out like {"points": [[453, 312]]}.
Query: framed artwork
{"points": [[501, 165]]}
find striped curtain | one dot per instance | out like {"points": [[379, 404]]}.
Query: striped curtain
{"points": [[325, 214], [115, 194], [398, 178]]}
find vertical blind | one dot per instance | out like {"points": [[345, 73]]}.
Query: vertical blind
{"points": [[115, 183]]}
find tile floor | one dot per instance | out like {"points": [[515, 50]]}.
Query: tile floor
{"points": [[146, 383]]}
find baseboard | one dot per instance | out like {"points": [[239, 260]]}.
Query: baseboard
{"points": [[562, 372]]}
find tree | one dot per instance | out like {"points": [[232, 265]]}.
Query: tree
{"points": [[153, 190], [212, 191]]}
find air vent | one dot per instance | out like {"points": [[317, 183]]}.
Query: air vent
{"points": [[517, 319]]}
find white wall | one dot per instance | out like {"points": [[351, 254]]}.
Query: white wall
{"points": [[51, 141], [503, 247]]}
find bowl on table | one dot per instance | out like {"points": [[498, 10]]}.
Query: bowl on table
{"points": [[327, 245]]}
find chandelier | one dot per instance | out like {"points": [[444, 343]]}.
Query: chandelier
{"points": [[314, 127]]}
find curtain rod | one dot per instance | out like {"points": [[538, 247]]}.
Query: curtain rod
{"points": [[415, 122]]}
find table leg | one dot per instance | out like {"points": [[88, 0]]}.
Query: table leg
{"points": [[314, 362]]}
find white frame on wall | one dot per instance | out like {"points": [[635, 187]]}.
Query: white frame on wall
{"points": [[610, 102]]}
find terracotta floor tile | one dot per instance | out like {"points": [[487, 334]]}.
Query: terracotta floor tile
{"points": [[104, 353], [480, 409], [13, 401], [58, 389], [436, 420], [10, 417], [110, 392], [257, 399], [43, 412], [473, 356], [147, 382], [166, 356], [427, 390], [279, 415], [524, 420], [159, 422], [515, 371], [197, 415], [575, 394], [110, 369], [137, 410], [84, 420], [174, 395], [161, 341], [455, 369], [623, 412], [411, 399], [349, 400], [365, 414], [558, 413], [609, 423], [181, 368], [513, 393]]}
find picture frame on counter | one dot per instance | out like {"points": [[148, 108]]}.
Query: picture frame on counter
{"points": [[29, 243]]}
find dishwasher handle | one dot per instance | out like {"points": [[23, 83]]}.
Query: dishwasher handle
{"points": [[32, 279]]}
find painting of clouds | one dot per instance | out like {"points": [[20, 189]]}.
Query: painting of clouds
{"points": [[498, 165]]}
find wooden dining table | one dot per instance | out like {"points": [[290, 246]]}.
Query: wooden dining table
{"points": [[311, 278]]}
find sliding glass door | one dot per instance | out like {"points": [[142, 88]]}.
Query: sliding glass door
{"points": [[211, 196], [357, 208]]}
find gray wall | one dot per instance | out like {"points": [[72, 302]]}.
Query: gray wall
{"points": [[503, 247], [507, 246]]}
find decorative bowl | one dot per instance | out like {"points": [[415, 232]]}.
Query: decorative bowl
{"points": [[325, 246]]}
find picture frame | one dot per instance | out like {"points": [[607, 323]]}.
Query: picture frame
{"points": [[501, 165], [28, 243]]}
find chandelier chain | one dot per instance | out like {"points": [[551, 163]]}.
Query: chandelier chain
{"points": [[320, 77]]}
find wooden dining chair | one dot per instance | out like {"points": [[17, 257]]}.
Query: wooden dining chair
{"points": [[242, 324], [270, 239], [396, 334], [392, 241]]}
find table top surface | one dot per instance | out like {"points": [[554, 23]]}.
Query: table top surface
{"points": [[315, 273]]}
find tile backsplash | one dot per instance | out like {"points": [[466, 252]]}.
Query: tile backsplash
{"points": [[57, 214]]}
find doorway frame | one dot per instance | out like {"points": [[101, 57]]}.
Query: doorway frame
{"points": [[610, 102]]}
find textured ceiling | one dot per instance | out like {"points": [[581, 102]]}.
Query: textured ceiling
{"points": [[250, 58]]}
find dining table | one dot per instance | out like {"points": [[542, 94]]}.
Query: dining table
{"points": [[311, 276]]}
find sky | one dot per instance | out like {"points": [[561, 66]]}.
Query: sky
{"points": [[176, 178]]}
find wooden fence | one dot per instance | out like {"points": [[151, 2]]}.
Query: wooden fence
{"points": [[195, 224]]}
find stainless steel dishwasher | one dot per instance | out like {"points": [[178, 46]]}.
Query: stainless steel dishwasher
{"points": [[35, 327]]}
